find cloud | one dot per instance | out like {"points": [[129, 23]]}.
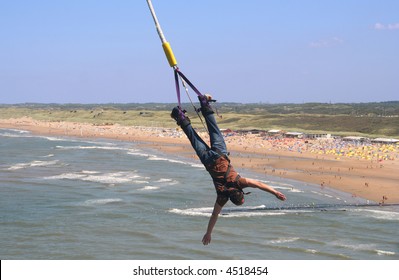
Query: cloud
{"points": [[326, 43], [391, 26]]}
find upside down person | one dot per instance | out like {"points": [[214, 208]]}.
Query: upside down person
{"points": [[228, 183]]}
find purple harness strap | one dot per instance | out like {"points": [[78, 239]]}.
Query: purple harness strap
{"points": [[177, 87], [177, 74]]}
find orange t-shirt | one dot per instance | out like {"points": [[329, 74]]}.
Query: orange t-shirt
{"points": [[218, 170]]}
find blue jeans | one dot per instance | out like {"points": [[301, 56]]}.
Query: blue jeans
{"points": [[207, 154]]}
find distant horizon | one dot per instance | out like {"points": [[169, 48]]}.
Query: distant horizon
{"points": [[172, 103]]}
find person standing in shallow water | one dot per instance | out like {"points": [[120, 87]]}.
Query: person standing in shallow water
{"points": [[228, 183]]}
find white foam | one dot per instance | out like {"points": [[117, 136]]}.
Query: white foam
{"points": [[192, 211], [227, 212], [167, 182], [80, 147], [284, 240], [149, 188], [43, 163], [197, 165], [106, 179], [48, 156], [355, 247], [18, 166], [139, 182], [11, 133], [163, 180], [312, 251], [103, 178], [153, 157], [286, 187], [379, 214], [252, 214], [138, 153], [156, 158], [16, 130], [49, 138], [385, 253], [90, 172], [293, 190], [35, 163], [70, 176], [103, 201]]}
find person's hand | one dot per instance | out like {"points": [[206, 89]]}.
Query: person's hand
{"points": [[206, 239], [280, 196]]}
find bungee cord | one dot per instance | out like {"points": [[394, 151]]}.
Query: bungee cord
{"points": [[173, 63]]}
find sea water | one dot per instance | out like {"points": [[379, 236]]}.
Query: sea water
{"points": [[66, 198]]}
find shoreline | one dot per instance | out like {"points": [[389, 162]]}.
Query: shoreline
{"points": [[366, 171]]}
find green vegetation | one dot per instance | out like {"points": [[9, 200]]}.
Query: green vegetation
{"points": [[363, 119]]}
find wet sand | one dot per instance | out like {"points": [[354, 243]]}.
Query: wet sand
{"points": [[367, 171]]}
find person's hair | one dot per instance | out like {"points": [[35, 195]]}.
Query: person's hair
{"points": [[236, 196]]}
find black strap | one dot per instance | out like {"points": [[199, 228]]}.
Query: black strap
{"points": [[177, 73], [227, 173]]}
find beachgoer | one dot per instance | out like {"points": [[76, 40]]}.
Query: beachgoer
{"points": [[228, 183]]}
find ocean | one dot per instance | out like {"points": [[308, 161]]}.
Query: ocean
{"points": [[69, 198]]}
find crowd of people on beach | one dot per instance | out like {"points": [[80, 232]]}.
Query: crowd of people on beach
{"points": [[337, 148], [358, 150]]}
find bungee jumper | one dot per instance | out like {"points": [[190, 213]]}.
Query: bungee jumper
{"points": [[228, 183]]}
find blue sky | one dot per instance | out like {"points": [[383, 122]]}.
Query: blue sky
{"points": [[97, 51]]}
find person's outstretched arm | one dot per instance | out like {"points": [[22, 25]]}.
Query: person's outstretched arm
{"points": [[259, 185], [212, 221]]}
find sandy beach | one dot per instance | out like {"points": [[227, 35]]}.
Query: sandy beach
{"points": [[369, 171]]}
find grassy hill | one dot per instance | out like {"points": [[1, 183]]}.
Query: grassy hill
{"points": [[365, 119]]}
